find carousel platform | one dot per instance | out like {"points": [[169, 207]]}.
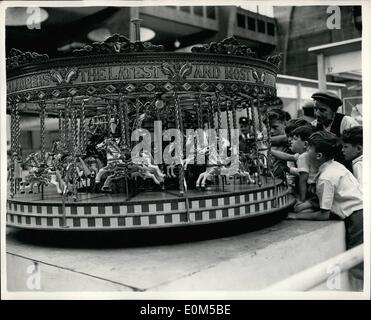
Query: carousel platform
{"points": [[229, 264], [147, 210]]}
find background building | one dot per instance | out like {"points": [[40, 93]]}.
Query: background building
{"points": [[303, 34], [299, 33]]}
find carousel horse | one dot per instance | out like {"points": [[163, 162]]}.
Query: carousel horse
{"points": [[66, 172], [125, 169], [72, 174], [93, 165], [176, 161], [40, 173], [113, 156], [237, 171], [216, 167], [142, 167], [62, 166], [146, 162], [171, 167], [215, 163]]}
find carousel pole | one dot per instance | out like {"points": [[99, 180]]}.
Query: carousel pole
{"points": [[234, 115], [67, 124], [65, 146], [123, 142], [42, 139], [179, 126], [234, 123], [109, 119], [61, 127], [250, 110], [260, 122], [182, 181], [42, 130], [219, 125], [210, 114], [198, 107], [126, 122], [83, 135], [227, 105], [75, 149], [12, 150], [199, 122], [218, 112], [126, 107], [18, 167], [259, 114], [269, 159]]}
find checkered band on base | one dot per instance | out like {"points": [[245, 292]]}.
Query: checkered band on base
{"points": [[164, 213]]}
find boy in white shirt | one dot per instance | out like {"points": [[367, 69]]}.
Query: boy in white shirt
{"points": [[352, 141]]}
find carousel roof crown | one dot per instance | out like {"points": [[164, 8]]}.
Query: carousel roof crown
{"points": [[119, 44]]}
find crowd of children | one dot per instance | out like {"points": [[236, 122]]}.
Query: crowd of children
{"points": [[324, 159]]}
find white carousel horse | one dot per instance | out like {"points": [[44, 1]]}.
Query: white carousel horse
{"points": [[237, 171], [143, 167], [113, 154], [128, 169], [216, 167], [147, 163], [144, 170], [176, 161]]}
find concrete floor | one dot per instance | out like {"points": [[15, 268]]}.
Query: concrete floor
{"points": [[249, 261]]}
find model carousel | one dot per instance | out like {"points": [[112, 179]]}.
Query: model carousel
{"points": [[104, 96]]}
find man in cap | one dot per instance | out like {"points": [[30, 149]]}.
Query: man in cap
{"points": [[327, 119], [325, 106]]}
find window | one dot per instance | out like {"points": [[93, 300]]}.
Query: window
{"points": [[241, 20], [251, 23], [270, 28], [261, 26], [185, 9], [210, 12], [198, 11]]}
